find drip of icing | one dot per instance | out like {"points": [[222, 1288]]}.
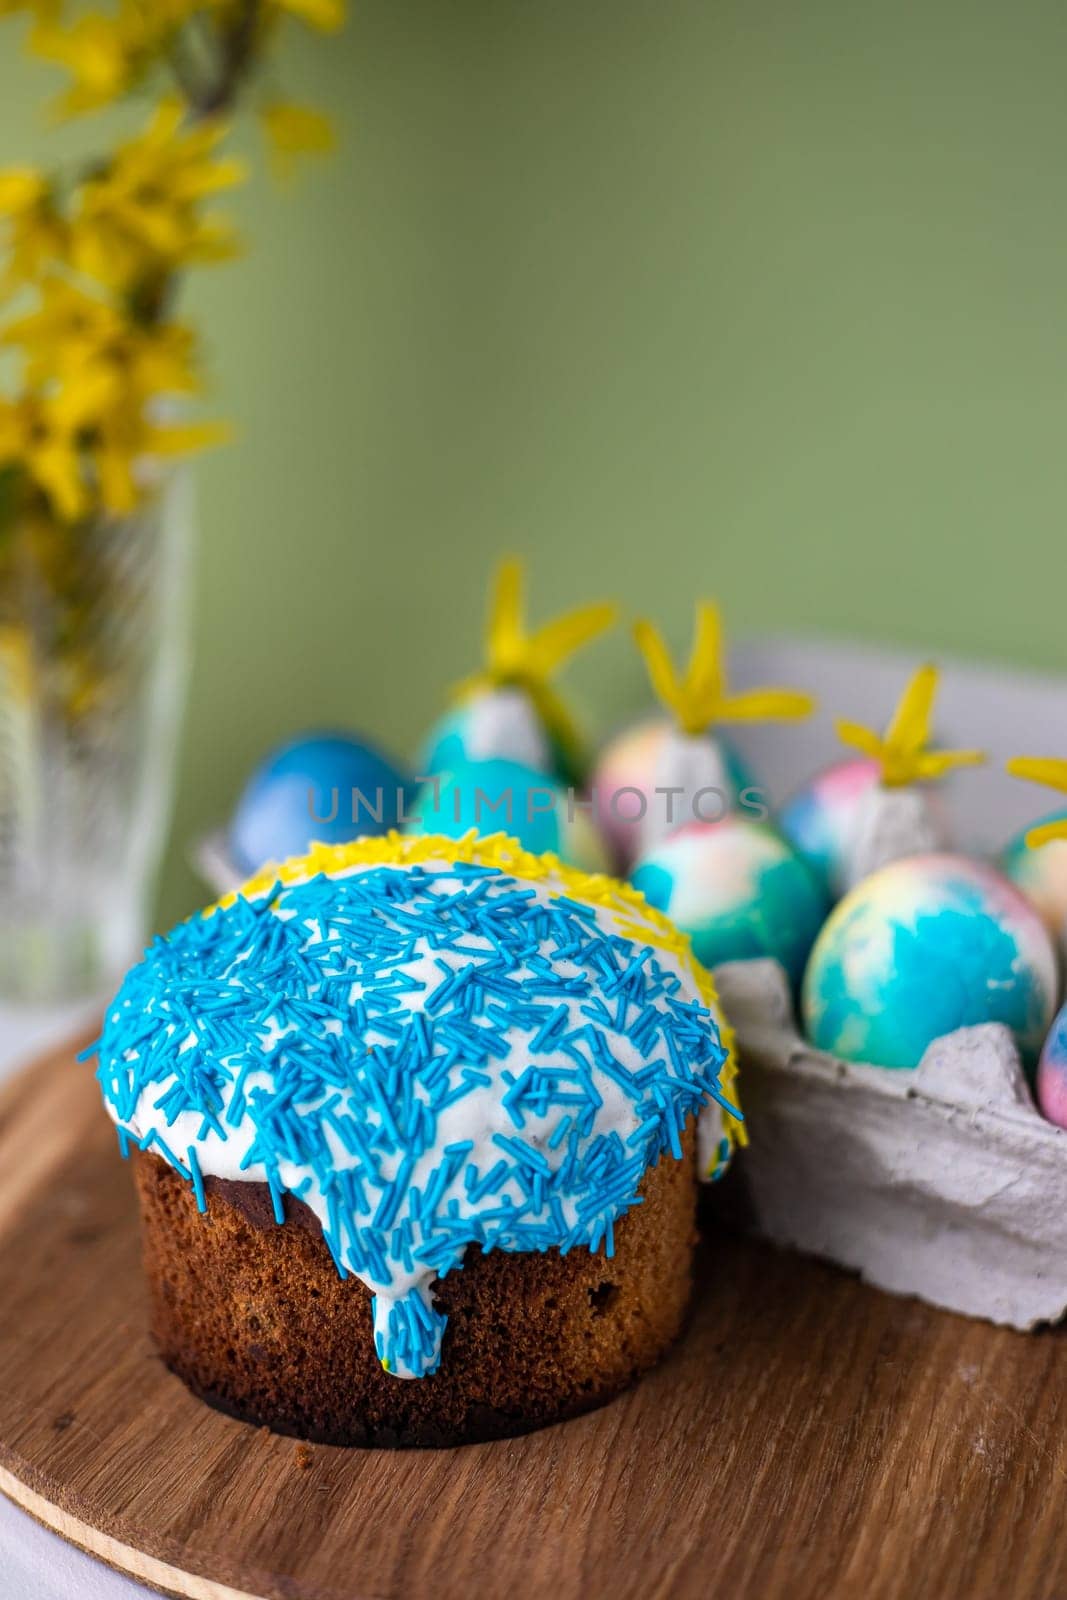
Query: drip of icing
{"points": [[430, 1055]]}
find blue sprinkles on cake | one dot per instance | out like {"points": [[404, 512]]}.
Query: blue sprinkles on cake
{"points": [[435, 1044]]}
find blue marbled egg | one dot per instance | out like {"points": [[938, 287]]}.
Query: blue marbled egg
{"points": [[319, 787], [1052, 1072], [738, 890], [500, 724], [506, 797], [819, 819], [927, 945]]}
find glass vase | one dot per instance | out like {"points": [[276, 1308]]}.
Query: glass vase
{"points": [[94, 647]]}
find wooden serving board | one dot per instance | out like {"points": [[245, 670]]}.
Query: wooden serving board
{"points": [[809, 1437]]}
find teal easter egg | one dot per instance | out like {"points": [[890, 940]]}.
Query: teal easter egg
{"points": [[928, 944], [496, 725], [1041, 874], [738, 890], [506, 797], [626, 773]]}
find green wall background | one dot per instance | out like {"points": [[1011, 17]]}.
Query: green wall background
{"points": [[753, 298]]}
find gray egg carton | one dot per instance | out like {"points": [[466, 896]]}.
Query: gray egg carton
{"points": [[945, 1182]]}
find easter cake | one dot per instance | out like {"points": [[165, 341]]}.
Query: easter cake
{"points": [[416, 1125]]}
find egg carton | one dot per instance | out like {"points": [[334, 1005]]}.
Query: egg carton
{"points": [[945, 1182]]}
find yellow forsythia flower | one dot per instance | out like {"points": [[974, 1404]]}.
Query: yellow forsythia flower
{"points": [[127, 439], [88, 346], [41, 436], [141, 215], [529, 658], [904, 752], [80, 459], [293, 131], [36, 234], [699, 697], [103, 54]]}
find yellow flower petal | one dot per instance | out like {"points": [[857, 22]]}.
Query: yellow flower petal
{"points": [[1038, 769], [21, 188], [1046, 833], [118, 485], [181, 439], [199, 178], [1047, 770], [214, 239], [86, 397], [909, 726], [504, 637], [99, 51], [935, 763], [902, 751], [555, 642], [700, 698], [662, 675], [765, 705], [857, 737], [57, 468], [293, 131], [164, 126], [706, 662]]}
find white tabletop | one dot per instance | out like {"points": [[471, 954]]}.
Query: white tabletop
{"points": [[1005, 712], [38, 1565]]}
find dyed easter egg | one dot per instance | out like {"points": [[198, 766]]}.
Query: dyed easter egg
{"points": [[1041, 874], [627, 769], [504, 797], [1052, 1072], [820, 819], [319, 787], [494, 725], [927, 945], [737, 889], [841, 819]]}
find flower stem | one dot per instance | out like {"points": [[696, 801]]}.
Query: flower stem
{"points": [[237, 60]]}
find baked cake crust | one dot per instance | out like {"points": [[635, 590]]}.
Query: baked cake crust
{"points": [[255, 1318]]}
